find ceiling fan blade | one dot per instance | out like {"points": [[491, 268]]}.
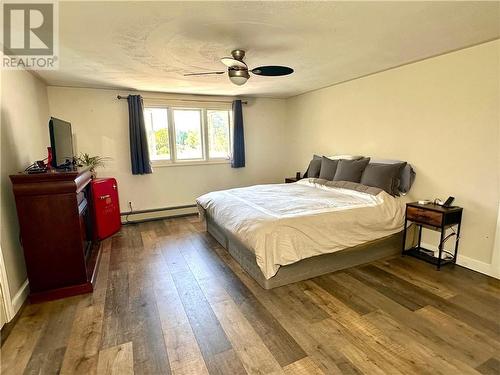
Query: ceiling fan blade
{"points": [[272, 70], [233, 63], [202, 74]]}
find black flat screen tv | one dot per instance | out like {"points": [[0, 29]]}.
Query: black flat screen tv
{"points": [[61, 142]]}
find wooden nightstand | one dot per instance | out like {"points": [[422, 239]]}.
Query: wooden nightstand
{"points": [[289, 180], [435, 217]]}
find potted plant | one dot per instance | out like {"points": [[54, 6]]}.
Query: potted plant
{"points": [[92, 162]]}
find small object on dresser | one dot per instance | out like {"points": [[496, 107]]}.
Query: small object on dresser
{"points": [[49, 157], [448, 202], [424, 201], [435, 217], [297, 176]]}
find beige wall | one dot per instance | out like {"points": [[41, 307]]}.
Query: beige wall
{"points": [[24, 138], [100, 124], [441, 114]]}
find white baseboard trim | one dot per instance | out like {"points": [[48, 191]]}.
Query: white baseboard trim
{"points": [[20, 296], [470, 263], [478, 266], [138, 217]]}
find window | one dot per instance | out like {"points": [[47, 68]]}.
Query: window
{"points": [[218, 133], [183, 135], [156, 120], [187, 127]]}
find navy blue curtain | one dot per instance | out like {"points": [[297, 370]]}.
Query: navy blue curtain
{"points": [[139, 153], [238, 160]]}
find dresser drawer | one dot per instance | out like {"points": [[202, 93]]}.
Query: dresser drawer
{"points": [[424, 216]]}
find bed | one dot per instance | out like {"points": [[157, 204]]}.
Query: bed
{"points": [[283, 233]]}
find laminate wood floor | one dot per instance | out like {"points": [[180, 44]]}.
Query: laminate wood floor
{"points": [[170, 300]]}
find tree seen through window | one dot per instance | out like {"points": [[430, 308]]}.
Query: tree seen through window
{"points": [[194, 134]]}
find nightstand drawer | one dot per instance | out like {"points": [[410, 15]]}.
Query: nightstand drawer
{"points": [[424, 216]]}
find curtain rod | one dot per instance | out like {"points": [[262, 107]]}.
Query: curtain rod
{"points": [[184, 100]]}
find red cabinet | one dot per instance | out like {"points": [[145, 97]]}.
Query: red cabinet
{"points": [[106, 207]]}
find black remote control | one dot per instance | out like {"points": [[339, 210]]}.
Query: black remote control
{"points": [[448, 202]]}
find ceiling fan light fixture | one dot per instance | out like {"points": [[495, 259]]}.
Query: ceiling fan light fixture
{"points": [[239, 81], [238, 77], [237, 69]]}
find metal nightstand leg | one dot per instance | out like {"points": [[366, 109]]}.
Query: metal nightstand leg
{"points": [[456, 243], [441, 245], [404, 238], [419, 243]]}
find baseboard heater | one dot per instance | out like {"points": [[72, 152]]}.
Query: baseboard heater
{"points": [[153, 210]]}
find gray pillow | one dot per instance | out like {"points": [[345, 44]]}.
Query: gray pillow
{"points": [[350, 170], [407, 174], [383, 176], [328, 168], [314, 167]]}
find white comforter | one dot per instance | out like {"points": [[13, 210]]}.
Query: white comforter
{"points": [[285, 223]]}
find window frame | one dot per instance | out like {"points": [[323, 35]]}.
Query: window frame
{"points": [[173, 141], [230, 135], [169, 136], [203, 108]]}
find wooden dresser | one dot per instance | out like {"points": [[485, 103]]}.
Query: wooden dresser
{"points": [[56, 232]]}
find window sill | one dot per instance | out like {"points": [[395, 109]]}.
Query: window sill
{"points": [[165, 163]]}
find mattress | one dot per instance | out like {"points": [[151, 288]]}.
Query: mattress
{"points": [[285, 223]]}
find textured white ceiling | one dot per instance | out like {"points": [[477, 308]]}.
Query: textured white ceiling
{"points": [[150, 45]]}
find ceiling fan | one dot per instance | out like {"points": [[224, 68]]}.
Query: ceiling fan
{"points": [[237, 70]]}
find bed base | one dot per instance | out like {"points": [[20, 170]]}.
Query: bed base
{"points": [[309, 267]]}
